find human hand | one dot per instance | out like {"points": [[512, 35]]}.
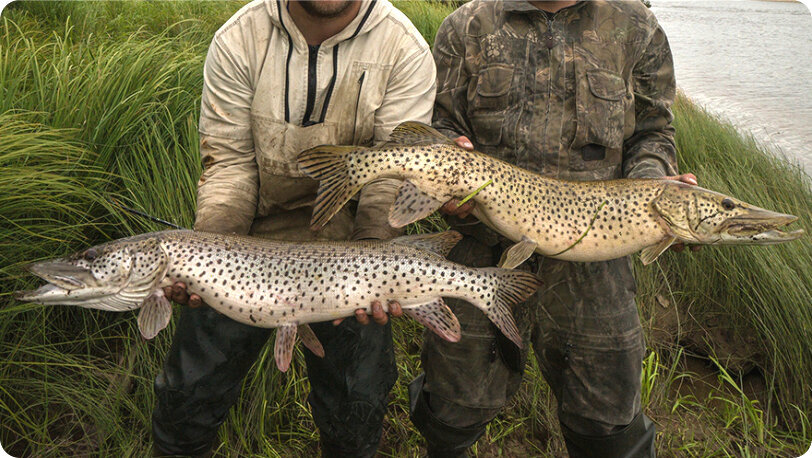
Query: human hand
{"points": [[378, 315], [177, 293], [453, 207], [463, 142], [688, 178]]}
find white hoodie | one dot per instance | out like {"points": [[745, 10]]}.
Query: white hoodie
{"points": [[259, 86]]}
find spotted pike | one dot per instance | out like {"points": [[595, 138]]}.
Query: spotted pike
{"points": [[281, 285], [569, 220]]}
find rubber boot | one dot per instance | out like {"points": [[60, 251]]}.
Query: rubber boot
{"points": [[330, 450], [636, 440], [442, 440], [157, 452]]}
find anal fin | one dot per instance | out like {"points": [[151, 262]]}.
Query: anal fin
{"points": [[310, 340], [436, 316], [517, 254], [156, 311], [283, 346], [411, 204], [650, 254]]}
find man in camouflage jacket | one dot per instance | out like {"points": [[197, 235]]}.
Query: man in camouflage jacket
{"points": [[574, 90]]}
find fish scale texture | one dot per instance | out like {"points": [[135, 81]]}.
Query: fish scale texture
{"points": [[270, 284]]}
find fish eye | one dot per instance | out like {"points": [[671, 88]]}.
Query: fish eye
{"points": [[91, 254], [728, 204]]}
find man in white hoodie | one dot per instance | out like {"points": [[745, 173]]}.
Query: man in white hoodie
{"points": [[281, 77]]}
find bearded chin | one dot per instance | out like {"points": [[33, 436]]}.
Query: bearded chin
{"points": [[325, 9]]}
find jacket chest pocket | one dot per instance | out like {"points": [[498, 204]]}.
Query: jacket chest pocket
{"points": [[362, 93], [277, 144], [489, 101], [600, 104]]}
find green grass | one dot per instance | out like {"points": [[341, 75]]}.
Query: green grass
{"points": [[100, 100]]}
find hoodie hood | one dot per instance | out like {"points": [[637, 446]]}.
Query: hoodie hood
{"points": [[371, 13]]}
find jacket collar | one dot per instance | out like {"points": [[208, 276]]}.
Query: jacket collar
{"points": [[371, 13], [523, 6]]}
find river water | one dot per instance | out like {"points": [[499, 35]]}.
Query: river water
{"points": [[750, 61]]}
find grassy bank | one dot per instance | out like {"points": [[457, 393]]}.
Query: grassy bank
{"points": [[100, 100]]}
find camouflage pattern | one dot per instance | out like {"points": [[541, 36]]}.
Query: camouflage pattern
{"points": [[584, 93], [585, 332]]}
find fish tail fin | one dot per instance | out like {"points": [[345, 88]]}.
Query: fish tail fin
{"points": [[329, 165], [512, 287]]}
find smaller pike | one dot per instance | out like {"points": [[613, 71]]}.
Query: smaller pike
{"points": [[281, 285], [571, 220]]}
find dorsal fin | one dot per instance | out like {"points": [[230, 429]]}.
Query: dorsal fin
{"points": [[417, 133], [440, 243]]}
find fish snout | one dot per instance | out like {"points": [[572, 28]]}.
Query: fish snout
{"points": [[62, 274]]}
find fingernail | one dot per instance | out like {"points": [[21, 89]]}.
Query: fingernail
{"points": [[468, 144]]}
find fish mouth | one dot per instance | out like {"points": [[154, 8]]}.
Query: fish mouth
{"points": [[762, 227], [62, 274], [44, 294], [66, 284]]}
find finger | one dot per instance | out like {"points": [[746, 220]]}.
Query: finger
{"points": [[182, 298], [464, 143], [361, 316], [378, 315], [395, 309], [678, 247], [195, 301], [450, 207], [178, 288], [338, 321], [696, 247], [465, 209], [689, 178], [168, 293]]}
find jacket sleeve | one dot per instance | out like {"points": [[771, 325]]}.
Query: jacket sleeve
{"points": [[453, 77], [650, 152], [227, 190], [409, 97]]}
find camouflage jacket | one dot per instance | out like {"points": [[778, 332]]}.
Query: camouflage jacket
{"points": [[584, 93]]}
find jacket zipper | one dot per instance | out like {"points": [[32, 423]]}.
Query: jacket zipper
{"points": [[312, 64], [357, 104], [549, 42]]}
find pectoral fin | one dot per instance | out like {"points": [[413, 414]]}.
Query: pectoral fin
{"points": [[411, 204], [156, 311], [283, 346], [310, 340], [517, 253], [436, 316], [649, 254]]}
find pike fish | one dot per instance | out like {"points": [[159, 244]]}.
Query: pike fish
{"points": [[281, 285], [568, 220]]}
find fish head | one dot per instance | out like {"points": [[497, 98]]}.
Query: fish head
{"points": [[114, 276], [700, 216]]}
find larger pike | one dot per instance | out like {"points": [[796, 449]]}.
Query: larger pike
{"points": [[281, 285], [569, 220]]}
